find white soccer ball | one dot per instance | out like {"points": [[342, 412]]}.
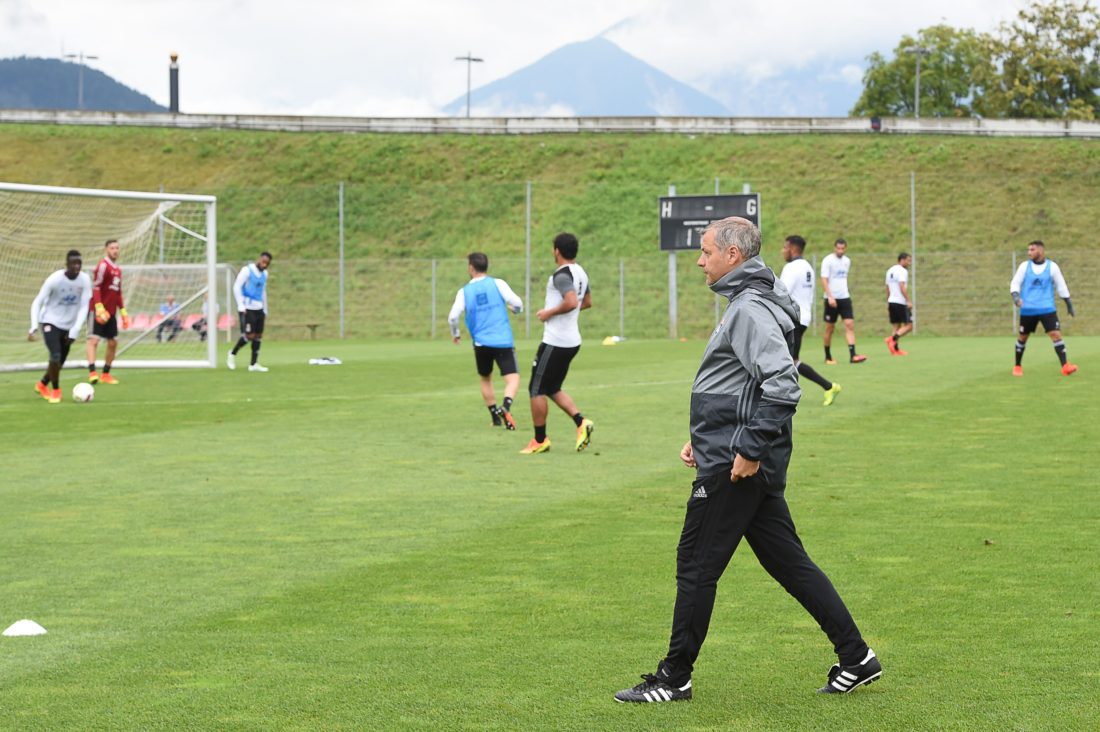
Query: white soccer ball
{"points": [[83, 392]]}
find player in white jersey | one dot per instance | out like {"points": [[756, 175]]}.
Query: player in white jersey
{"points": [[1032, 289], [60, 309], [898, 304], [567, 293], [838, 301], [798, 277]]}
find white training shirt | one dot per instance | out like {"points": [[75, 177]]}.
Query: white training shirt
{"points": [[896, 276], [835, 269], [63, 303], [562, 329], [511, 299], [798, 277], [1056, 277]]}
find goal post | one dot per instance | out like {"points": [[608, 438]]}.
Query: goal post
{"points": [[168, 258]]}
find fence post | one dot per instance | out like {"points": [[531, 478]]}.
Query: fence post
{"points": [[433, 299], [672, 304], [813, 301], [341, 214], [622, 300], [913, 243], [527, 271], [160, 232]]}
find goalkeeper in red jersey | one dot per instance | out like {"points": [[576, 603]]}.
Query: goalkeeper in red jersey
{"points": [[107, 310]]}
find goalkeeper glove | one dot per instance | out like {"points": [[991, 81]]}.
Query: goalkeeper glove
{"points": [[125, 318], [101, 315], [1017, 299], [1069, 308]]}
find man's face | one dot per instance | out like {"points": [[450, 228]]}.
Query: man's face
{"points": [[72, 267], [112, 251], [1035, 252], [905, 262], [840, 248], [715, 262], [262, 262], [789, 252]]}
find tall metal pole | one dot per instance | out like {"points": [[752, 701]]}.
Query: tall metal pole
{"points": [[1014, 302], [527, 271], [470, 61], [672, 304], [913, 242], [920, 51], [622, 300], [174, 84], [341, 216], [81, 57]]}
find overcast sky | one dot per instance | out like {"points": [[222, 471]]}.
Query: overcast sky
{"points": [[393, 58]]}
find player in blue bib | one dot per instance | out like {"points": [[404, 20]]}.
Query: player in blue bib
{"points": [[486, 301], [1032, 290]]}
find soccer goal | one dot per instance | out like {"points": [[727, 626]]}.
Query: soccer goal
{"points": [[176, 294]]}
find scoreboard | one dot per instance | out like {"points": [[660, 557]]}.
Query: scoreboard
{"points": [[683, 218]]}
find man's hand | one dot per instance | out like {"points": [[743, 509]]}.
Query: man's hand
{"points": [[743, 468], [101, 314], [1017, 299], [456, 339], [832, 301], [688, 455], [125, 318], [69, 340], [544, 315], [1069, 308], [30, 336], [909, 304]]}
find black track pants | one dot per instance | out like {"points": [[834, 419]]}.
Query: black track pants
{"points": [[713, 528]]}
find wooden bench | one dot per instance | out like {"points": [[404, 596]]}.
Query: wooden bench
{"points": [[312, 328]]}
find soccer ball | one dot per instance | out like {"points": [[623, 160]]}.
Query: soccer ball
{"points": [[83, 392]]}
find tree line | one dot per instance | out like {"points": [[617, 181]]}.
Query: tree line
{"points": [[1045, 63]]}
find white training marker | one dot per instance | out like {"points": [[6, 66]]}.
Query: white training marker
{"points": [[24, 627]]}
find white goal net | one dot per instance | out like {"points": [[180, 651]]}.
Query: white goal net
{"points": [[175, 292]]}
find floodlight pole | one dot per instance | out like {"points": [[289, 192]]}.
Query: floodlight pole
{"points": [[81, 57], [920, 51], [470, 61]]}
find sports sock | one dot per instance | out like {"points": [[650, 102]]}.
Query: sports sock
{"points": [[852, 351], [828, 353], [896, 338], [540, 433], [507, 404], [45, 379], [813, 376], [255, 352], [578, 418], [240, 345], [106, 368], [91, 367], [1060, 349], [1019, 351]]}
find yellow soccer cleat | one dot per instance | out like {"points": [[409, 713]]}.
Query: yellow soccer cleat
{"points": [[536, 447], [93, 377], [584, 434], [108, 379], [55, 396], [830, 394]]}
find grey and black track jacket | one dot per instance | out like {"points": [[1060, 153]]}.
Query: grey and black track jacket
{"points": [[746, 391]]}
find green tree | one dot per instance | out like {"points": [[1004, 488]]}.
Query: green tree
{"points": [[1045, 64], [947, 75]]}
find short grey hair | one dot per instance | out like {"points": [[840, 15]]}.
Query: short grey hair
{"points": [[736, 232]]}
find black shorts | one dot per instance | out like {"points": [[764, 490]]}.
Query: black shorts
{"points": [[843, 309], [1030, 323], [900, 314], [252, 322], [108, 330], [796, 346], [505, 359], [550, 368], [57, 342]]}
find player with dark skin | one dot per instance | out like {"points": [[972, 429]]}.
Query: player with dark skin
{"points": [[73, 265]]}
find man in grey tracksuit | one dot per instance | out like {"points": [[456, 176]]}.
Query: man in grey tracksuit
{"points": [[742, 403]]}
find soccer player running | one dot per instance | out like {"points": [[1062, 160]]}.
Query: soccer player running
{"points": [[567, 294], [109, 309], [60, 308], [838, 301], [898, 304], [250, 291], [798, 277], [1032, 290], [743, 400], [487, 301]]}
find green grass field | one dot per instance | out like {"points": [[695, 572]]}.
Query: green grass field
{"points": [[352, 548]]}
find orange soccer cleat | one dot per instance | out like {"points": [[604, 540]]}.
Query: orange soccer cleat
{"points": [[42, 390], [107, 379], [54, 397], [900, 352], [534, 447], [891, 346], [93, 377], [858, 358], [1017, 370], [1068, 369]]}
